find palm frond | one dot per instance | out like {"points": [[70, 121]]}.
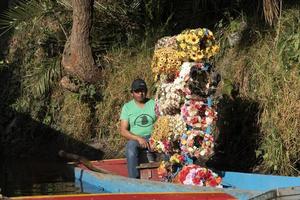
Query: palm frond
{"points": [[135, 4], [21, 12], [44, 77], [116, 10]]}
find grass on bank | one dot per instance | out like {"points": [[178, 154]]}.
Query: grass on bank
{"points": [[268, 72]]}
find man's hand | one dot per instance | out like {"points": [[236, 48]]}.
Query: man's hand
{"points": [[143, 142], [124, 130]]}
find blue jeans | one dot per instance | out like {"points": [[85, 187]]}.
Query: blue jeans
{"points": [[133, 150]]}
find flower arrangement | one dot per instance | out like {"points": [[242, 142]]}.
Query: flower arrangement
{"points": [[169, 99], [183, 77], [165, 61], [196, 45], [177, 159], [184, 104], [167, 131], [177, 124], [161, 129], [163, 169], [197, 114], [197, 143], [184, 72], [199, 82], [160, 140], [199, 176], [168, 41], [161, 146]]}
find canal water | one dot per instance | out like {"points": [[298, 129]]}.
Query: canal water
{"points": [[26, 178]]}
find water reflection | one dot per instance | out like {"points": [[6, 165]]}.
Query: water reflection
{"points": [[25, 178]]}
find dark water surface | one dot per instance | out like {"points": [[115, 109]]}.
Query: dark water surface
{"points": [[25, 178]]}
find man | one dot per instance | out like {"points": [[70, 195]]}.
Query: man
{"points": [[137, 119]]}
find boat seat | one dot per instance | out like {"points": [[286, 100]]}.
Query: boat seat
{"points": [[148, 171]]}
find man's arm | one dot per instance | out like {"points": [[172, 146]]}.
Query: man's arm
{"points": [[124, 130]]}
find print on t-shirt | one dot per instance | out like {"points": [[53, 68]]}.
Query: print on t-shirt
{"points": [[143, 120]]}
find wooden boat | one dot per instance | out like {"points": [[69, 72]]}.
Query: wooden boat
{"points": [[118, 186]]}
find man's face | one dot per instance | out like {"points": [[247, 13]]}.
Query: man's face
{"points": [[139, 95]]}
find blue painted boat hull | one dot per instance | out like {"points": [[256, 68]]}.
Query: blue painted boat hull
{"points": [[258, 182], [240, 185], [119, 184]]}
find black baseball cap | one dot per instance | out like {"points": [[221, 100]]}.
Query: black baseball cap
{"points": [[138, 84]]}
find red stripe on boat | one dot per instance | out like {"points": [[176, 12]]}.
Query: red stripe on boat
{"points": [[130, 196]]}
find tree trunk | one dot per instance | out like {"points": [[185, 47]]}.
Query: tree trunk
{"points": [[77, 58]]}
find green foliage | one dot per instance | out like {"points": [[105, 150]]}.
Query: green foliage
{"points": [[88, 92], [288, 43], [268, 73], [44, 77], [21, 13], [34, 53], [157, 15]]}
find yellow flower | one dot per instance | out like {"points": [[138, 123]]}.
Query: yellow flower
{"points": [[162, 59], [209, 55], [182, 45], [207, 50], [193, 56], [192, 31], [200, 33], [200, 55], [215, 48], [170, 60], [193, 39], [182, 54], [174, 159], [194, 48], [160, 65], [187, 37], [180, 37], [199, 58]]}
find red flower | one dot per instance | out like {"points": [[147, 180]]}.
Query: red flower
{"points": [[181, 158], [196, 180], [201, 173], [182, 174], [194, 120], [198, 106], [212, 182]]}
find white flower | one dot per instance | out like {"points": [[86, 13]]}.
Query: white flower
{"points": [[203, 152], [209, 120]]}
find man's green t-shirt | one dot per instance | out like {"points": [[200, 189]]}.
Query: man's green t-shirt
{"points": [[140, 120]]}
